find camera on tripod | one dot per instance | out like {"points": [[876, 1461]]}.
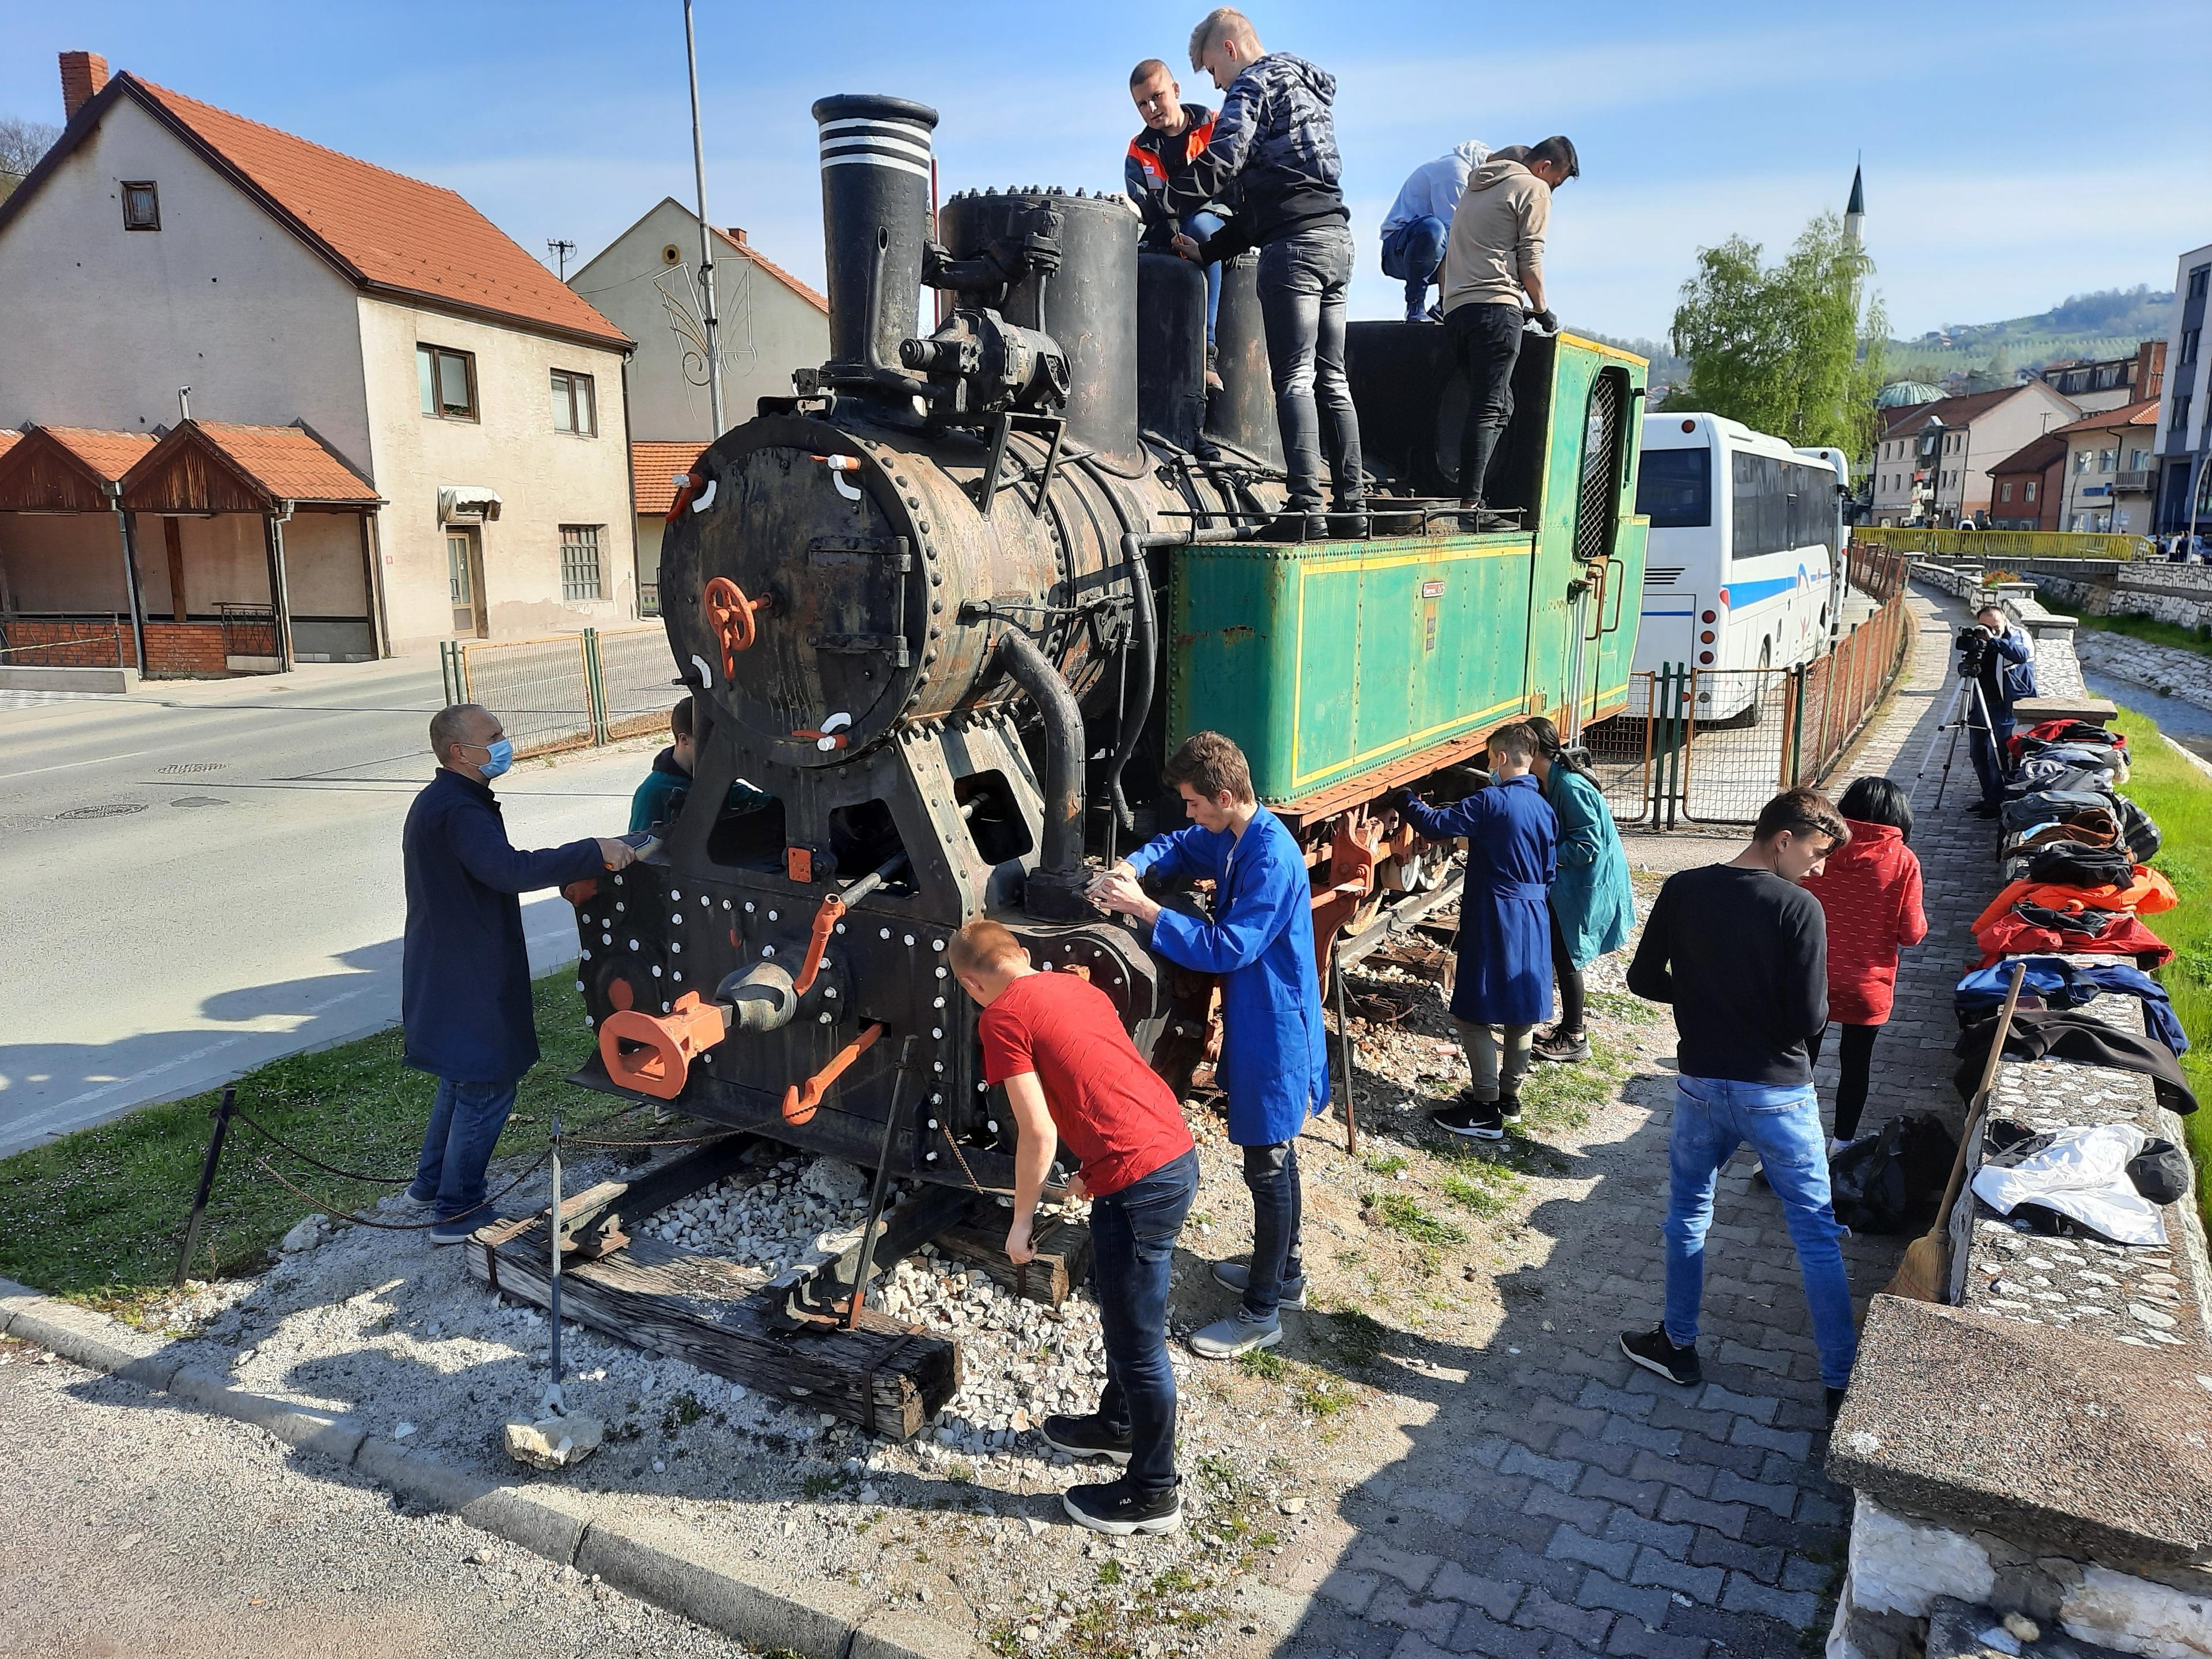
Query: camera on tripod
{"points": [[1974, 646]]}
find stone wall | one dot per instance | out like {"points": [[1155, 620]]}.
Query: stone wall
{"points": [[2178, 593], [2032, 1460]]}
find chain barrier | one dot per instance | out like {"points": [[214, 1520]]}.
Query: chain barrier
{"points": [[341, 1214]]}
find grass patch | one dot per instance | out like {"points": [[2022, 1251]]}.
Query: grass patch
{"points": [[2148, 629], [98, 1216], [2179, 797], [1384, 1164], [1632, 1011], [1482, 1186], [1109, 1572], [1322, 1395], [1266, 1364], [1357, 1337], [1398, 1212]]}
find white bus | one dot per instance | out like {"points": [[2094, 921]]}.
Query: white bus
{"points": [[1741, 569]]}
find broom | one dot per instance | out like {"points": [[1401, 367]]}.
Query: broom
{"points": [[1925, 1273]]}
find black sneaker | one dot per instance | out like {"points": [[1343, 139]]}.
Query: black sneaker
{"points": [[1480, 1120], [1562, 1045], [1987, 809], [1085, 1436], [1296, 527], [1118, 1507], [1654, 1351]]}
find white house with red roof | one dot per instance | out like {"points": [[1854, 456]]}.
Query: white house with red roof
{"points": [[647, 281], [165, 245]]}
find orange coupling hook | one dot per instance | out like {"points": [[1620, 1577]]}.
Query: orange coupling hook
{"points": [[651, 1052], [730, 613], [825, 923], [798, 1103]]}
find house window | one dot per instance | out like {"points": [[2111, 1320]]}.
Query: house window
{"points": [[2004, 491], [2108, 460], [580, 562], [141, 206], [2138, 459], [2029, 495], [2180, 427], [447, 381], [574, 408], [2196, 281], [2081, 462], [2188, 339]]}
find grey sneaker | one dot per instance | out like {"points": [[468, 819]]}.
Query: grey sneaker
{"points": [[1239, 1333], [1238, 1276]]}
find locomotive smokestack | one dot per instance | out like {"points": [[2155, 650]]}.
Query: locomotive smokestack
{"points": [[875, 162]]}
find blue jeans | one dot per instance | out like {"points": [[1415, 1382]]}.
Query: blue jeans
{"points": [[1305, 283], [465, 1121], [1277, 1215], [1712, 1116], [1414, 252], [1132, 1240], [1202, 225], [1991, 760]]}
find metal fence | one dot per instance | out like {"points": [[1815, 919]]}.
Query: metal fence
{"points": [[79, 647], [566, 691], [2006, 543], [1713, 746], [1876, 571]]}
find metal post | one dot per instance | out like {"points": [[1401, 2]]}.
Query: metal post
{"points": [[1344, 1043], [207, 1183], [1796, 773], [555, 1399], [706, 231], [862, 1269], [132, 592]]}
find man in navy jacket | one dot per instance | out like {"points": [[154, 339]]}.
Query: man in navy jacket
{"points": [[2007, 663], [1274, 1055], [464, 975]]}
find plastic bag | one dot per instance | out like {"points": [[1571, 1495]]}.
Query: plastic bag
{"points": [[1892, 1181]]}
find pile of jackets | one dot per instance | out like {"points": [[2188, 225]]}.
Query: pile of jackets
{"points": [[2055, 982], [2061, 915]]}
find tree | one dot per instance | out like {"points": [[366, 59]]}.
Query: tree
{"points": [[22, 143], [1783, 349]]}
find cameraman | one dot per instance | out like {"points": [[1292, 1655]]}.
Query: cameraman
{"points": [[2000, 659]]}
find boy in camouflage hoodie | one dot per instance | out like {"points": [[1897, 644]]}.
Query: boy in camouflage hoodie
{"points": [[1273, 153]]}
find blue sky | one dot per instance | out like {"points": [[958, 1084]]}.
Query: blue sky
{"points": [[2015, 153]]}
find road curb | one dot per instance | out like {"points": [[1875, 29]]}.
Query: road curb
{"points": [[661, 1565]]}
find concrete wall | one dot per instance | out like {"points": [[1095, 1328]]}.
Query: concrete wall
{"points": [[651, 527], [103, 325], [766, 329], [544, 479]]}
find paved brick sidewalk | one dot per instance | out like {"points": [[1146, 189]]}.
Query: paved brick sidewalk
{"points": [[1562, 1501]]}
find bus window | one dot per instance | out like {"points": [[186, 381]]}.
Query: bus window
{"points": [[1675, 488]]}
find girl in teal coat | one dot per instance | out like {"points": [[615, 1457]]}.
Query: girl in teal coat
{"points": [[1592, 906]]}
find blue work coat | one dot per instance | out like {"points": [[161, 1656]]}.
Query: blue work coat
{"points": [[1505, 975], [1274, 1052], [464, 974], [1591, 897]]}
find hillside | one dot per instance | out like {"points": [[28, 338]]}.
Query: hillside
{"points": [[2107, 324]]}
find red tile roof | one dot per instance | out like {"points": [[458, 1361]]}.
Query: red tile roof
{"points": [[289, 462], [7, 437], [736, 238], [653, 469], [388, 231], [110, 454], [1952, 411], [2142, 412]]}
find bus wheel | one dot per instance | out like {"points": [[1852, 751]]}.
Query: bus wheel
{"points": [[1757, 710]]}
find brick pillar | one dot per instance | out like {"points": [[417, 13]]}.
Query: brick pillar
{"points": [[83, 74]]}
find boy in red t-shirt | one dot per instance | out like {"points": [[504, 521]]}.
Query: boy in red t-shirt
{"points": [[1072, 1077]]}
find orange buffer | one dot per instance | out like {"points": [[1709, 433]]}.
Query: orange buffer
{"points": [[800, 1104], [659, 1057]]}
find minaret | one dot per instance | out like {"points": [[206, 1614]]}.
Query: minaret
{"points": [[1854, 211]]}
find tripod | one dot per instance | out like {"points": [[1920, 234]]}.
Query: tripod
{"points": [[1960, 716]]}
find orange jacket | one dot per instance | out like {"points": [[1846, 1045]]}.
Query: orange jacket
{"points": [[2146, 895]]}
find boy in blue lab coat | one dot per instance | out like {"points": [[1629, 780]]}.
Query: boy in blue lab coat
{"points": [[1504, 985], [1274, 1062]]}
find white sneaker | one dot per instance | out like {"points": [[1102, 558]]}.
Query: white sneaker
{"points": [[1239, 1333]]}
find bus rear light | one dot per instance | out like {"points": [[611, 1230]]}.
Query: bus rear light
{"points": [[1705, 638], [1708, 616], [1689, 426], [1704, 656]]}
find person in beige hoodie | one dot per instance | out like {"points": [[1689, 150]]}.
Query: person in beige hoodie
{"points": [[1493, 277]]}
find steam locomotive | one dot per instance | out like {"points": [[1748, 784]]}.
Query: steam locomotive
{"points": [[950, 605]]}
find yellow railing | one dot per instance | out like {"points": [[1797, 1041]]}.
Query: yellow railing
{"points": [[2005, 543]]}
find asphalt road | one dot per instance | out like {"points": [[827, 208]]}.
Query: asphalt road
{"points": [[131, 1528], [203, 876]]}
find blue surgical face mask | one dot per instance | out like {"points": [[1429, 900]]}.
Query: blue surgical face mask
{"points": [[501, 756]]}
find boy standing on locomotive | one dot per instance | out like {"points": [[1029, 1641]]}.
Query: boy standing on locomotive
{"points": [[1055, 1044], [1274, 152], [1274, 1062]]}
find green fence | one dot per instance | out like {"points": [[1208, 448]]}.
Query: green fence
{"points": [[568, 690], [2001, 544]]}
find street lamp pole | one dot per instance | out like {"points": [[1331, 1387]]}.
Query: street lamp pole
{"points": [[706, 231]]}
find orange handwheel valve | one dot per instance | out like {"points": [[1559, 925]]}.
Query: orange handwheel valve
{"points": [[730, 613]]}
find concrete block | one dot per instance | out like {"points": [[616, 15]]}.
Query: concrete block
{"points": [[1493, 1595], [1796, 1608], [1411, 1571], [1571, 1544], [93, 1341], [1699, 1584], [1350, 1590], [2137, 1616], [1641, 1602], [111, 681], [669, 1570], [1898, 1566], [1393, 1606], [305, 1431]]}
